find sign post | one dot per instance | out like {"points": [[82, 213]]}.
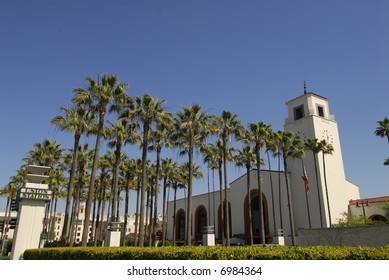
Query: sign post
{"points": [[32, 198]]}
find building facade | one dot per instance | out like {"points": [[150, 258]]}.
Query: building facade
{"points": [[328, 197]]}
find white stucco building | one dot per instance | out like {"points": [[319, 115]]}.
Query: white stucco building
{"points": [[308, 117]]}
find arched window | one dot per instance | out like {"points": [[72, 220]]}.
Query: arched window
{"points": [[378, 218], [180, 225], [200, 221]]}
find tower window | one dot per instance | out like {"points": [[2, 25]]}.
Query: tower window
{"points": [[298, 112], [320, 111]]}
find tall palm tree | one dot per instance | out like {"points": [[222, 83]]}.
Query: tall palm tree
{"points": [[291, 147], [326, 149], [76, 120], [146, 110], [229, 125], [246, 157], [257, 134], [191, 129], [270, 147], [160, 137], [97, 97], [313, 145]]}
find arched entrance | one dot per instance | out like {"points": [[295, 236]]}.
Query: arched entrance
{"points": [[256, 216], [180, 225], [200, 221]]}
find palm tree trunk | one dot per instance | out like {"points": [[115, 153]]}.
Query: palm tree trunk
{"points": [[137, 215], [221, 205], [272, 192], [290, 206], [318, 190], [156, 194], [261, 220], [279, 191], [326, 187], [126, 204], [144, 184], [227, 213], [189, 210], [114, 217], [251, 240], [66, 223], [164, 212], [88, 206], [174, 214]]}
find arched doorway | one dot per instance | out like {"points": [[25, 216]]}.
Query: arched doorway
{"points": [[200, 221], [220, 222], [378, 218], [180, 225], [256, 216]]}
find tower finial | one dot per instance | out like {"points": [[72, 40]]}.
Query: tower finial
{"points": [[305, 88]]}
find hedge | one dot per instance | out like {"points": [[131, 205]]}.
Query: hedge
{"points": [[210, 253]]}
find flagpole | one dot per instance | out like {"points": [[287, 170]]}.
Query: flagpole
{"points": [[306, 189]]}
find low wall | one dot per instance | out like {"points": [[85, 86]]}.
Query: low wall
{"points": [[345, 236]]}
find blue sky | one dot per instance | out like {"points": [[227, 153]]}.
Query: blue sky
{"points": [[249, 57]]}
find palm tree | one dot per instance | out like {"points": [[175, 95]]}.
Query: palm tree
{"points": [[246, 157], [117, 133], [129, 174], [228, 124], [84, 161], [291, 147], [176, 182], [276, 149], [383, 129], [191, 129], [257, 134], [103, 181], [314, 146], [168, 168], [47, 153], [147, 110], [76, 120], [9, 191], [326, 149], [159, 138], [270, 146], [97, 97]]}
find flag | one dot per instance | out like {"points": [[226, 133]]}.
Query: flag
{"points": [[305, 179]]}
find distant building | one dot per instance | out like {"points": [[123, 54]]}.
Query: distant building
{"points": [[372, 208]]}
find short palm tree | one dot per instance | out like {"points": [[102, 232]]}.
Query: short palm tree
{"points": [[168, 168], [313, 145], [246, 157], [326, 149], [214, 155], [76, 120]]}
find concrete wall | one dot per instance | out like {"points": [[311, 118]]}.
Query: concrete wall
{"points": [[348, 236]]}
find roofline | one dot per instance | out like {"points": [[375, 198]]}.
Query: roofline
{"points": [[369, 200], [308, 93]]}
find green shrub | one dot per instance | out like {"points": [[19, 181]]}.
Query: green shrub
{"points": [[210, 253]]}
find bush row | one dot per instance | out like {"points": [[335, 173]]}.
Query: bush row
{"points": [[210, 253]]}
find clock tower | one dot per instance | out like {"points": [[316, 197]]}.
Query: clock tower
{"points": [[309, 118]]}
